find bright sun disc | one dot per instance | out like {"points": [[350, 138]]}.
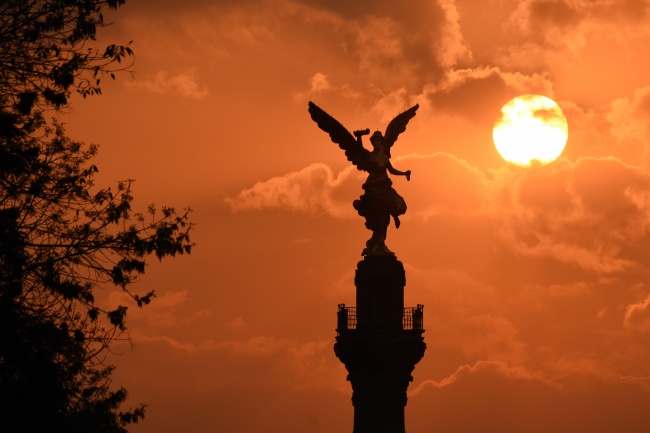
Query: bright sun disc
{"points": [[531, 127]]}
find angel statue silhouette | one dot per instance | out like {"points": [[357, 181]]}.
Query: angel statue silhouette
{"points": [[379, 201]]}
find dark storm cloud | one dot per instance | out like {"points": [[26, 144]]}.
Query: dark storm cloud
{"points": [[480, 93], [395, 44], [471, 94], [537, 17]]}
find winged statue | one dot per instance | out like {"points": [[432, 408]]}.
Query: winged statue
{"points": [[379, 201]]}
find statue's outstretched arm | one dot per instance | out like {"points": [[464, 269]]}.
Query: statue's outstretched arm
{"points": [[395, 172]]}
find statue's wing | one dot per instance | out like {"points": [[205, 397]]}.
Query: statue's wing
{"points": [[355, 152], [398, 125]]}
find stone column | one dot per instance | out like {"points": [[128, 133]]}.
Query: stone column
{"points": [[379, 353]]}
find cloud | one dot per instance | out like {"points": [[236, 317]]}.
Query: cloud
{"points": [[497, 397], [166, 311], [446, 185], [546, 34], [390, 52], [618, 129], [549, 21], [236, 324], [314, 189], [589, 213], [319, 84], [183, 84], [478, 92], [494, 367], [637, 316], [630, 118], [263, 360], [570, 230], [451, 47], [394, 46], [536, 16], [566, 335], [467, 318]]}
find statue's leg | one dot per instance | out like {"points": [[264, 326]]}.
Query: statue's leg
{"points": [[374, 244], [377, 242], [375, 239], [384, 230]]}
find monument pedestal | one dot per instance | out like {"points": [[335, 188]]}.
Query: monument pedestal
{"points": [[380, 342]]}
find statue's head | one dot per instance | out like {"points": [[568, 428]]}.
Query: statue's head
{"points": [[376, 138]]}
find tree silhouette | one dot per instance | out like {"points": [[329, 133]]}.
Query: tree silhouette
{"points": [[44, 51], [61, 237]]}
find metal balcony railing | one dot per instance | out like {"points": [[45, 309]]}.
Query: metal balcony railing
{"points": [[412, 319], [346, 318]]}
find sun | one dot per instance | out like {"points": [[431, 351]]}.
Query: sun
{"points": [[530, 127]]}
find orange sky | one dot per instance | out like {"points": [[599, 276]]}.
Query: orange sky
{"points": [[534, 280]]}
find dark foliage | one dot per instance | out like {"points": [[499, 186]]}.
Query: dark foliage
{"points": [[62, 239], [44, 51]]}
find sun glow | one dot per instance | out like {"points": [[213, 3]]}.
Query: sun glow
{"points": [[530, 127]]}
